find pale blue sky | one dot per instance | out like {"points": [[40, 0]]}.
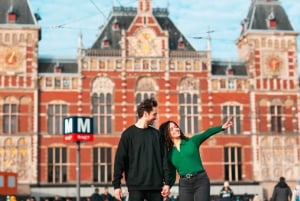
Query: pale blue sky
{"points": [[64, 20]]}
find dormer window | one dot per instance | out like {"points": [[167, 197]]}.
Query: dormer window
{"points": [[271, 20], [181, 44], [115, 25], [244, 24], [272, 24], [230, 71], [57, 69], [11, 15], [105, 42]]}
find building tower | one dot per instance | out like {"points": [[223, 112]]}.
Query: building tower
{"points": [[268, 44], [19, 37]]}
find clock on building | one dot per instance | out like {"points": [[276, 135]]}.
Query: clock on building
{"points": [[144, 41], [274, 64], [12, 57]]}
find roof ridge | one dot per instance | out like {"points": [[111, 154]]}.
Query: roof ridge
{"points": [[132, 11]]}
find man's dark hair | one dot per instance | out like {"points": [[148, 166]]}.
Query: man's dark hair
{"points": [[146, 106], [281, 179]]}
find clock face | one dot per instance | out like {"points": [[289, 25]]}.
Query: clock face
{"points": [[145, 43], [12, 57], [274, 65]]}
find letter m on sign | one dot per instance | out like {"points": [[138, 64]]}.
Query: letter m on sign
{"points": [[68, 125], [75, 125], [84, 125]]}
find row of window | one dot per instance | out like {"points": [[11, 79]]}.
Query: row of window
{"points": [[58, 165], [103, 115], [102, 165]]}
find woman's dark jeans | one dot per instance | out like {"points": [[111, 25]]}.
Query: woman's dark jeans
{"points": [[196, 188]]}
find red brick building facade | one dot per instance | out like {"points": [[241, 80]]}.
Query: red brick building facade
{"points": [[140, 53]]}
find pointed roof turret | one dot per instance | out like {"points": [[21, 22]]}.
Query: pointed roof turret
{"points": [[144, 6], [266, 15], [23, 14]]}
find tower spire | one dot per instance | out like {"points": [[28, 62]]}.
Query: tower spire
{"points": [[208, 45], [144, 6]]}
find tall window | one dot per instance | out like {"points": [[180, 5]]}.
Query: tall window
{"points": [[188, 111], [140, 96], [102, 101], [102, 164], [233, 163], [10, 118], [56, 114], [57, 164], [146, 88], [276, 118], [233, 111], [188, 105], [102, 113]]}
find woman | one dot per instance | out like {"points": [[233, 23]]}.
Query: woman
{"points": [[183, 153], [226, 193], [296, 192]]}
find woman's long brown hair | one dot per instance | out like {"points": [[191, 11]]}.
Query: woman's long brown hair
{"points": [[164, 130]]}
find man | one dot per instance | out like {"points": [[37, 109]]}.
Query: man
{"points": [[106, 196], [96, 196], [226, 193], [282, 192], [141, 156]]}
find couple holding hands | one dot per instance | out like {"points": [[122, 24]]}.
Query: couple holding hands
{"points": [[149, 159]]}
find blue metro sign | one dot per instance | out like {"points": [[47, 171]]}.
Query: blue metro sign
{"points": [[78, 129]]}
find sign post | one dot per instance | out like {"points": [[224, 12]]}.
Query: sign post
{"points": [[78, 129]]}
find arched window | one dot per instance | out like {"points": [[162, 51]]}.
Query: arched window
{"points": [[10, 112], [145, 88], [232, 110], [56, 113], [276, 116], [188, 104], [102, 89]]}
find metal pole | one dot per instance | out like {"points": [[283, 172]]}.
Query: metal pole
{"points": [[78, 170]]}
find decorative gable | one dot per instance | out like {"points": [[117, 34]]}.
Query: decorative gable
{"points": [[145, 36], [152, 24]]}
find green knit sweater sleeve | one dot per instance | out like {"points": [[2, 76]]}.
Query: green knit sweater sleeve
{"points": [[201, 137]]}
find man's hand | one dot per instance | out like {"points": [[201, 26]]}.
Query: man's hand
{"points": [[165, 191], [118, 194]]}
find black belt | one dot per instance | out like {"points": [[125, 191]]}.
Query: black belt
{"points": [[188, 176]]}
